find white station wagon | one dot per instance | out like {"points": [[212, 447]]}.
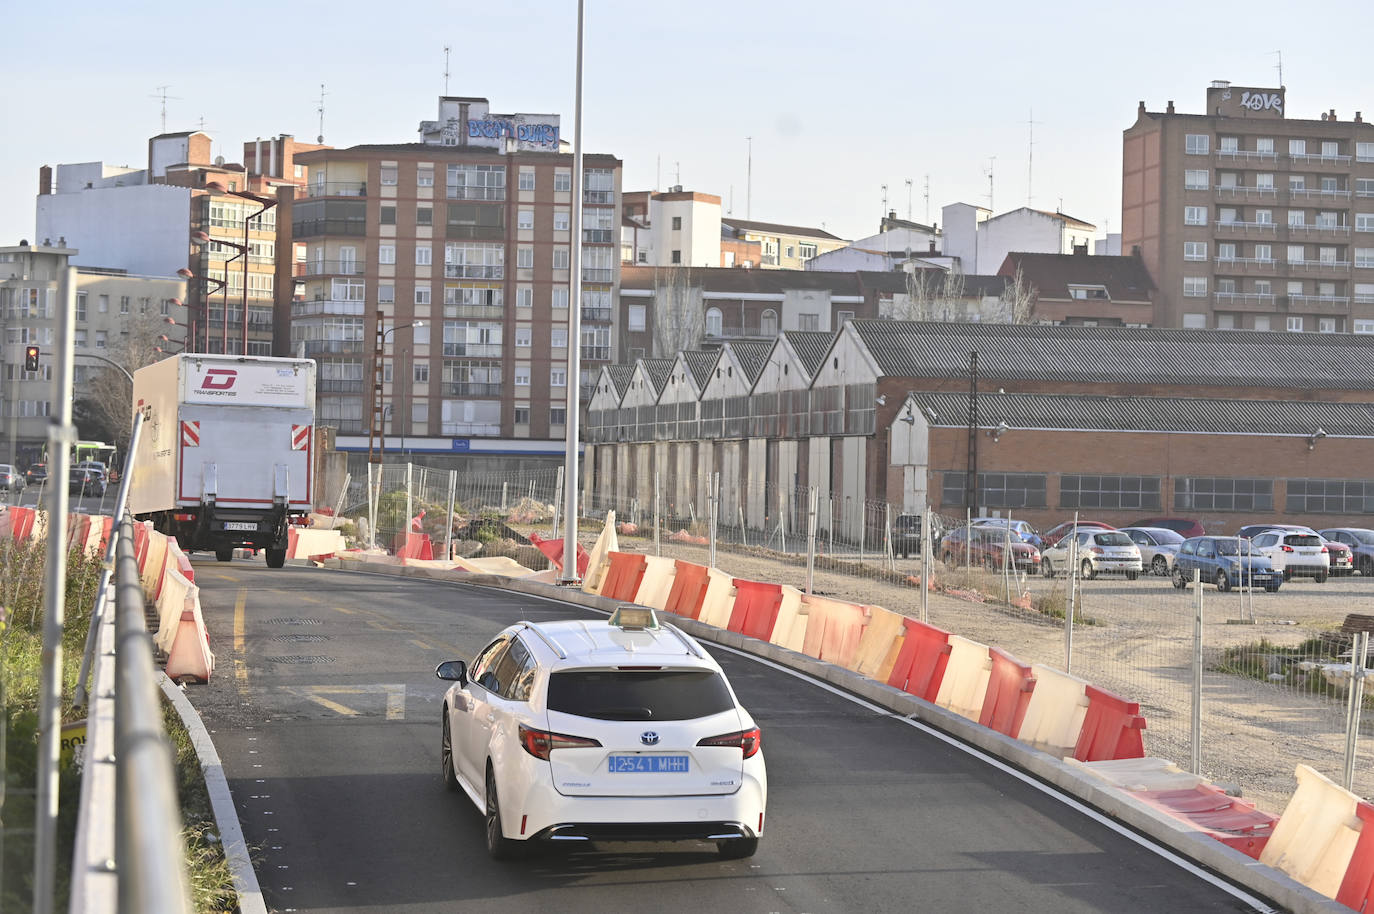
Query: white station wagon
{"points": [[619, 730]]}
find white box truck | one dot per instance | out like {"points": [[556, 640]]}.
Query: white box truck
{"points": [[226, 454]]}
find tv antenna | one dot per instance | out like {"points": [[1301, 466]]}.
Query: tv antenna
{"points": [[446, 69], [927, 196], [884, 201], [1030, 154], [1279, 66], [749, 180], [991, 163], [162, 94], [908, 199], [320, 109]]}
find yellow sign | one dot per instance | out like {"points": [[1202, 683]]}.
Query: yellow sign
{"points": [[73, 742]]}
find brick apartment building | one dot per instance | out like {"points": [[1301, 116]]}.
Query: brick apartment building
{"points": [[1249, 219], [460, 246]]}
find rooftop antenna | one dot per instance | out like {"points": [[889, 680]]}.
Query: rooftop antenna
{"points": [[991, 162], [927, 196], [1279, 66], [1030, 155], [658, 172], [749, 181], [884, 201], [730, 211], [445, 73], [677, 173], [908, 199], [320, 138], [162, 94]]}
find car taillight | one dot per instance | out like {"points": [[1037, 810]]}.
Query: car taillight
{"points": [[1098, 550], [748, 741], [1287, 548], [1324, 549], [539, 743]]}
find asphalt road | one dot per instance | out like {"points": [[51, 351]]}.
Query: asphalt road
{"points": [[325, 711]]}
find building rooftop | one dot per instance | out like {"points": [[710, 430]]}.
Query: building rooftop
{"points": [[735, 279], [1124, 277], [1117, 355], [700, 363], [435, 151], [752, 355], [620, 376], [811, 347], [658, 372], [774, 228]]}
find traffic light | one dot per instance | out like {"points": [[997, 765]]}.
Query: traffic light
{"points": [[31, 358]]}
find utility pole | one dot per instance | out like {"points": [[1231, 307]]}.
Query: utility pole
{"points": [[971, 483]]}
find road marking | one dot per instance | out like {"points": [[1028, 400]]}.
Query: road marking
{"points": [[345, 609], [395, 697], [240, 669], [422, 645], [307, 598], [331, 705], [223, 577]]}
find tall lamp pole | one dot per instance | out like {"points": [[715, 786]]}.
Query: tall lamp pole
{"points": [[265, 203], [377, 427], [574, 385]]}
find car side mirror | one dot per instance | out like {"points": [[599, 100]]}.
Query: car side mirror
{"points": [[453, 671]]}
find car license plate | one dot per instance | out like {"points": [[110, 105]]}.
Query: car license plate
{"points": [[649, 764], [240, 525]]}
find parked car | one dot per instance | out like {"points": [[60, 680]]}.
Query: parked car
{"points": [[1295, 554], [1096, 551], [1183, 526], [36, 473], [906, 534], [10, 479], [1342, 556], [1158, 547], [618, 730], [1020, 528], [1224, 561], [1360, 540], [987, 546], [1054, 534], [86, 482]]}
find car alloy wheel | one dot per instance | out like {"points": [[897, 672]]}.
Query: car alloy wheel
{"points": [[1089, 572], [1223, 582], [1160, 566], [446, 756], [499, 847], [1180, 581]]}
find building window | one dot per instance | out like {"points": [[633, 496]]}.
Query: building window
{"points": [[476, 182], [1265, 146], [524, 297], [768, 323], [791, 251], [424, 255], [388, 175], [1195, 286], [1364, 222], [388, 215], [1364, 326], [524, 258], [1228, 144], [1207, 493], [1196, 179], [421, 373], [1108, 491], [1329, 496], [526, 179], [81, 306], [1194, 215], [386, 253], [560, 258], [1297, 217], [1326, 325], [560, 220], [808, 322], [806, 250], [1264, 253], [522, 415], [522, 375], [101, 339], [424, 215], [123, 304], [424, 176], [560, 297], [634, 318], [1297, 184], [558, 415], [1197, 144], [996, 490], [422, 295], [1297, 147], [1226, 250], [1264, 217], [677, 223], [1296, 253], [562, 181], [676, 257], [558, 377], [558, 337], [524, 337], [1261, 322], [1195, 250], [714, 325], [1295, 325], [1194, 321], [525, 219], [1264, 181]]}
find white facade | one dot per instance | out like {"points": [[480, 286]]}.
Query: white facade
{"points": [[961, 221], [851, 259], [686, 224], [1109, 246], [138, 227], [983, 241]]}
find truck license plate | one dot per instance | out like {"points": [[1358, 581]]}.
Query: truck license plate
{"points": [[240, 525]]}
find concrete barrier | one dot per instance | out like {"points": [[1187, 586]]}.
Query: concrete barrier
{"points": [[657, 582], [1010, 685], [879, 644], [1316, 836], [1054, 717], [833, 629], [921, 660], [965, 682]]}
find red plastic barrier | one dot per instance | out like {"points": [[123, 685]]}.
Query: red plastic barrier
{"points": [[553, 550], [78, 531], [921, 661], [689, 590], [1010, 685], [1233, 821], [623, 576], [1357, 888], [106, 529], [413, 546], [291, 537], [184, 566], [140, 544], [1111, 728], [756, 608], [21, 523]]}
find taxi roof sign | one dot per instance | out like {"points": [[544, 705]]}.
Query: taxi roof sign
{"points": [[634, 618]]}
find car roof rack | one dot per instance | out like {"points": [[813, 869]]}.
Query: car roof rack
{"points": [[547, 639], [686, 642]]}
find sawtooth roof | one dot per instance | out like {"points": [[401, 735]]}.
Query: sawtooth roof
{"points": [[752, 355], [700, 363], [1156, 355], [811, 347], [620, 377], [658, 370], [1151, 414]]}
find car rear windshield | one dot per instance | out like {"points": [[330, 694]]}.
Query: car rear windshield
{"points": [[1302, 539], [639, 695], [1112, 539]]}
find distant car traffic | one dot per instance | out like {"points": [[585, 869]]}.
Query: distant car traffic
{"points": [[1096, 552], [86, 482], [906, 535], [1359, 540], [1183, 526], [1158, 547], [1224, 561], [1020, 528], [587, 731], [36, 473], [10, 478]]}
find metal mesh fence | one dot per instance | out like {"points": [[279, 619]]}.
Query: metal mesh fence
{"points": [[1275, 670]]}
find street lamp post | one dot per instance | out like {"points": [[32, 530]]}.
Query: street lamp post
{"points": [[203, 324], [266, 203], [242, 253], [377, 426]]}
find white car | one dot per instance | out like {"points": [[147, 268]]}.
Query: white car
{"points": [[601, 731], [1296, 554], [1096, 552], [1158, 547]]}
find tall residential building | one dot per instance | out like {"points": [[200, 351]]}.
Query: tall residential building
{"points": [[451, 257], [1247, 218]]}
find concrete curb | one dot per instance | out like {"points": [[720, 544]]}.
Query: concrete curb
{"points": [[221, 801], [1231, 864]]}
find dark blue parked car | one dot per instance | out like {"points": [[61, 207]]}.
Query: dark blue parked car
{"points": [[1224, 561]]}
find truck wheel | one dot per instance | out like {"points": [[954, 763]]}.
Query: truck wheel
{"points": [[276, 558], [224, 553]]}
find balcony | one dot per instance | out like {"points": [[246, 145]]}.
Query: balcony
{"points": [[473, 350], [471, 389], [1245, 301], [328, 268], [1313, 193], [1230, 156], [308, 228], [327, 306], [597, 274], [1318, 229], [1363, 298], [335, 189], [332, 347], [769, 260], [1320, 265], [596, 353], [479, 192], [597, 236], [338, 386], [1318, 304], [1247, 228], [1335, 161], [598, 196], [474, 271], [1247, 264], [600, 315], [1235, 192]]}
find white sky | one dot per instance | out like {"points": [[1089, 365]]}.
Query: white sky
{"points": [[839, 98]]}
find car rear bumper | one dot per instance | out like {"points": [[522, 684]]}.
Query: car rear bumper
{"points": [[1306, 571], [645, 831], [1108, 566]]}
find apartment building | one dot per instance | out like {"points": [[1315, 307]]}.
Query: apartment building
{"points": [[1249, 219], [781, 247], [118, 316], [449, 259]]}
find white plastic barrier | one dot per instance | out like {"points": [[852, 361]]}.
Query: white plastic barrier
{"points": [[154, 564], [1138, 774], [597, 561], [495, 564], [965, 682], [1315, 837], [657, 582], [316, 542], [882, 634], [789, 629], [720, 599], [1054, 717], [171, 601]]}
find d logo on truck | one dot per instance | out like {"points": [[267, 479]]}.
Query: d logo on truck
{"points": [[218, 379]]}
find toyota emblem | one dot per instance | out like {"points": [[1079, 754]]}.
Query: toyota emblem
{"points": [[649, 738]]}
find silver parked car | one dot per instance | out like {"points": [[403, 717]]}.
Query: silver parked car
{"points": [[1360, 540], [11, 480], [1096, 552], [1158, 547]]}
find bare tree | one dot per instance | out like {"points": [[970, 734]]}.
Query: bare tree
{"points": [[679, 318], [107, 400], [932, 295], [1016, 305]]}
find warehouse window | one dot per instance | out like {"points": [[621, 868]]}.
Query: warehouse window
{"points": [[996, 490], [1210, 493], [1330, 496], [1108, 491]]}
